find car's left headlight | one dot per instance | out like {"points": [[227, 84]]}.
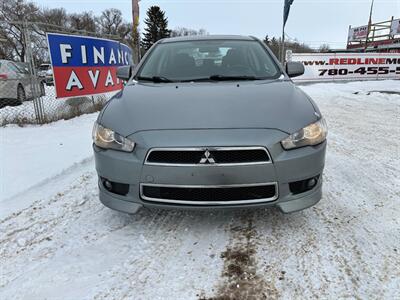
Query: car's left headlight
{"points": [[108, 139], [310, 135]]}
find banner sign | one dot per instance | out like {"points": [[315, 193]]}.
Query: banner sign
{"points": [[348, 66], [286, 11], [357, 34], [86, 65], [395, 29]]}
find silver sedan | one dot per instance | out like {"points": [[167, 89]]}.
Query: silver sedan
{"points": [[191, 130], [17, 84]]}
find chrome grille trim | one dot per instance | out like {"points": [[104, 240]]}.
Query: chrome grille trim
{"points": [[211, 203], [146, 162]]}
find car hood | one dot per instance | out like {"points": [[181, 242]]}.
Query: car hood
{"points": [[221, 105]]}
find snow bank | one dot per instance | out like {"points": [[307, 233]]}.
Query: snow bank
{"points": [[34, 153]]}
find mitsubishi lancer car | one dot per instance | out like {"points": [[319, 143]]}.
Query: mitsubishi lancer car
{"points": [[210, 122]]}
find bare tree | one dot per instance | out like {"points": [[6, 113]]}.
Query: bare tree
{"points": [[274, 44], [49, 20], [6, 50], [183, 31], [83, 21], [20, 17], [13, 14], [54, 16], [324, 48], [202, 31], [110, 21]]}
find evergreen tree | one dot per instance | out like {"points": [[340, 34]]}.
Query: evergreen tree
{"points": [[156, 27]]}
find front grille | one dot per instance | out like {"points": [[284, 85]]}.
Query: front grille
{"points": [[210, 195], [175, 157], [208, 156]]}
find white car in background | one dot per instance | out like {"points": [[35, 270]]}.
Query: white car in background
{"points": [[45, 72], [17, 84]]}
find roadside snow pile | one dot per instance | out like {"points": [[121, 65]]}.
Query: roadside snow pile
{"points": [[34, 153], [384, 89], [62, 243]]}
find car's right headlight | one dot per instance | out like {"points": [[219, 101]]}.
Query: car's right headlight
{"points": [[310, 135], [108, 139]]}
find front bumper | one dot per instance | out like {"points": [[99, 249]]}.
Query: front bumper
{"points": [[286, 167]]}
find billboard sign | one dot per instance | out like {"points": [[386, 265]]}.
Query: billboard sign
{"points": [[348, 66], [357, 34], [395, 29], [86, 65]]}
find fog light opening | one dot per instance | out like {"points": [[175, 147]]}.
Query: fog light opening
{"points": [[311, 183], [303, 186], [108, 185], [115, 187]]}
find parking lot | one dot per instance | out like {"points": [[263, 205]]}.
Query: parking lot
{"points": [[58, 241]]}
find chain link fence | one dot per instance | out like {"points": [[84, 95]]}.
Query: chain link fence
{"points": [[27, 92]]}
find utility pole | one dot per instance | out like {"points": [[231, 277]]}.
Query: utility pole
{"points": [[136, 34]]}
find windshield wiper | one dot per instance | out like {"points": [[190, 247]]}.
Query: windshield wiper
{"points": [[222, 78], [227, 77], [156, 79]]}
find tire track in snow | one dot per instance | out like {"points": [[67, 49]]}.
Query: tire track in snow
{"points": [[138, 268], [33, 230], [73, 223], [177, 257]]}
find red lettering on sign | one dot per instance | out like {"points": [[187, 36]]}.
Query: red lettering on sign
{"points": [[94, 80], [334, 61]]}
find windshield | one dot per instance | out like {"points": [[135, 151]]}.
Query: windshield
{"points": [[208, 59]]}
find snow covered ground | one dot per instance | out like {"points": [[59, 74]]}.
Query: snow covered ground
{"points": [[33, 154], [58, 242]]}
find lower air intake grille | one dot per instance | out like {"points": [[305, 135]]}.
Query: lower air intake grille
{"points": [[204, 195]]}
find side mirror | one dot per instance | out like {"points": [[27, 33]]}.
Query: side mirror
{"points": [[294, 69], [124, 72]]}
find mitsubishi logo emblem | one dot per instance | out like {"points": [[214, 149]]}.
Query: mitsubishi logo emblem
{"points": [[207, 158]]}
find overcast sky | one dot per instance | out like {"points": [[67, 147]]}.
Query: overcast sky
{"points": [[311, 21]]}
